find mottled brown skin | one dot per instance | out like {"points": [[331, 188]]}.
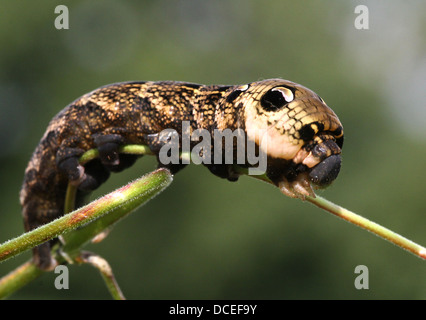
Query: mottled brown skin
{"points": [[297, 119]]}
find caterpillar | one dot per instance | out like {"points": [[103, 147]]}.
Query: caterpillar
{"points": [[304, 138]]}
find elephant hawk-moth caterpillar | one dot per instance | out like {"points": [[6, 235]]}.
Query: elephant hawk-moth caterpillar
{"points": [[304, 138]]}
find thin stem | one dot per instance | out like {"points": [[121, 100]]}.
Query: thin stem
{"points": [[70, 195], [18, 278], [137, 149], [356, 219], [369, 225], [104, 268]]}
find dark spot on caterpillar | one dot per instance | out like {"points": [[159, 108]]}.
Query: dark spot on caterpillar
{"points": [[337, 133], [273, 100], [307, 132], [339, 142], [233, 95], [192, 85]]}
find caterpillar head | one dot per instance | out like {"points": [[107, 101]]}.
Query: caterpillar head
{"points": [[301, 136]]}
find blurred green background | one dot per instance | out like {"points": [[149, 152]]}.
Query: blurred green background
{"points": [[206, 238]]}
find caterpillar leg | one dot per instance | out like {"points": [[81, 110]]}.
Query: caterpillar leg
{"points": [[94, 175], [90, 176], [108, 146], [224, 171], [157, 141], [67, 160]]}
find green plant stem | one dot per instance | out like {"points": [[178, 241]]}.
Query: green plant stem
{"points": [[18, 278], [137, 149], [115, 204], [369, 225], [356, 219], [141, 190], [106, 272]]}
